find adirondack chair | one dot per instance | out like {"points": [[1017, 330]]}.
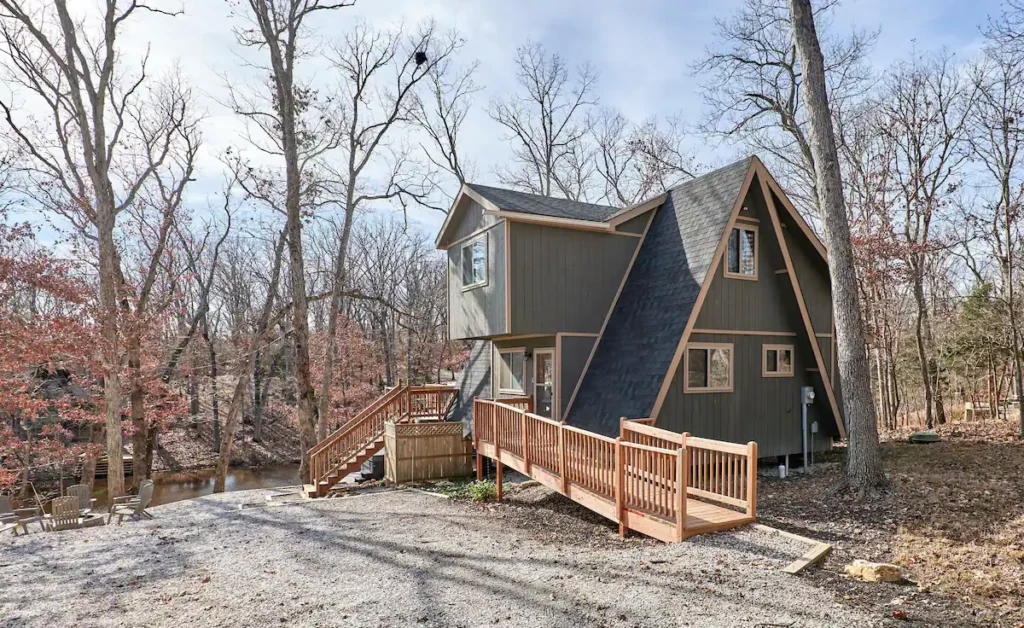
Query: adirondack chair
{"points": [[63, 515], [133, 506], [20, 517], [85, 499]]}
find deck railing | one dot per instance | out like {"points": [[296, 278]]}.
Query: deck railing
{"points": [[641, 474], [400, 404], [718, 471]]}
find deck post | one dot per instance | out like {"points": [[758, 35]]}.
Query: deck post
{"points": [[498, 478], [620, 505], [752, 479], [561, 459], [476, 440], [622, 426], [526, 444], [682, 481]]}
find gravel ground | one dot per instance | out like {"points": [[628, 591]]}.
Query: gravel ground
{"points": [[399, 558]]}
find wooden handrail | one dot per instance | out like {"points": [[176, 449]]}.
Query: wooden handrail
{"points": [[630, 428]]}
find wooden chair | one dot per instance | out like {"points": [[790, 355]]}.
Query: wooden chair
{"points": [[20, 517], [63, 515], [84, 496], [133, 506]]}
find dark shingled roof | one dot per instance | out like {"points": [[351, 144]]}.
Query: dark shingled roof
{"points": [[523, 202], [635, 351]]}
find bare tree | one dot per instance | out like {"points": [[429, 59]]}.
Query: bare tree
{"points": [[280, 28], [85, 152], [997, 137], [246, 363], [927, 107], [864, 463], [751, 81], [381, 72], [441, 112], [635, 162], [547, 123]]}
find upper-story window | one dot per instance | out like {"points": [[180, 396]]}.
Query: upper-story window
{"points": [[474, 263], [741, 260]]}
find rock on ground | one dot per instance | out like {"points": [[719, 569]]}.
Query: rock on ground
{"points": [[396, 558]]}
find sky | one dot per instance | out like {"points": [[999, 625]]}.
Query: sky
{"points": [[642, 49]]}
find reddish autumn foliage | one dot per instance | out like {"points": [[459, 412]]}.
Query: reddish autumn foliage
{"points": [[48, 357]]}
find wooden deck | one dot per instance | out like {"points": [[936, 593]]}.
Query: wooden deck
{"points": [[632, 480]]}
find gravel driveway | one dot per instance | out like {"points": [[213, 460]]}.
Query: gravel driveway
{"points": [[398, 558]]}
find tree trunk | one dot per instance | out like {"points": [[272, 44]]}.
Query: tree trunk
{"points": [[136, 399], [864, 462], [109, 320], [230, 429], [89, 465], [330, 352], [214, 400]]}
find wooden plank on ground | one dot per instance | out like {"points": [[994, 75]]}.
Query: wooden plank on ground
{"points": [[817, 552]]}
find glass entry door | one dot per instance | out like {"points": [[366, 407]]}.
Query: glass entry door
{"points": [[544, 382]]}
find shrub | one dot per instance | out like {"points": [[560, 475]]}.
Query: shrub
{"points": [[483, 491]]}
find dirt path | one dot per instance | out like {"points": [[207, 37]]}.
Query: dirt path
{"points": [[399, 558]]}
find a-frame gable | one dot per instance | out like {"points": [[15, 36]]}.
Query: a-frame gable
{"points": [[773, 227], [646, 320]]}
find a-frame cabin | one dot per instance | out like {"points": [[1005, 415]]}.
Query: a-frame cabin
{"points": [[707, 309]]}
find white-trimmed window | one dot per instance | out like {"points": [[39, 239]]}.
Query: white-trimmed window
{"points": [[511, 371], [777, 360], [741, 254], [474, 263], [708, 367]]}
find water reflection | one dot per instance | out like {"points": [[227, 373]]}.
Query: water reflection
{"points": [[172, 487]]}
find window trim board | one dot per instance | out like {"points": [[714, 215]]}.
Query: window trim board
{"points": [[740, 226], [510, 391], [487, 256], [776, 347], [687, 389]]}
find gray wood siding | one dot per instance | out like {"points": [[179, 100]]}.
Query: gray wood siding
{"points": [[812, 273], [635, 225], [564, 279], [761, 409], [472, 219], [475, 382], [763, 305], [479, 312], [575, 352]]}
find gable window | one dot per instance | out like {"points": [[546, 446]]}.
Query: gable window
{"points": [[474, 263], [741, 256], [510, 371], [777, 361], [708, 367]]}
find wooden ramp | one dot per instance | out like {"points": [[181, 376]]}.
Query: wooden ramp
{"points": [[634, 479], [348, 447]]}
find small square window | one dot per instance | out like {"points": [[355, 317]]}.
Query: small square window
{"points": [[777, 361], [708, 367], [741, 254], [474, 263]]}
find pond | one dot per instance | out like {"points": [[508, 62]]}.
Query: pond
{"points": [[176, 486]]}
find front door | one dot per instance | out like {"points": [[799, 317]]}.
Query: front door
{"points": [[544, 382]]}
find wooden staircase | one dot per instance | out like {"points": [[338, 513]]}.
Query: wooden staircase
{"points": [[345, 450]]}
